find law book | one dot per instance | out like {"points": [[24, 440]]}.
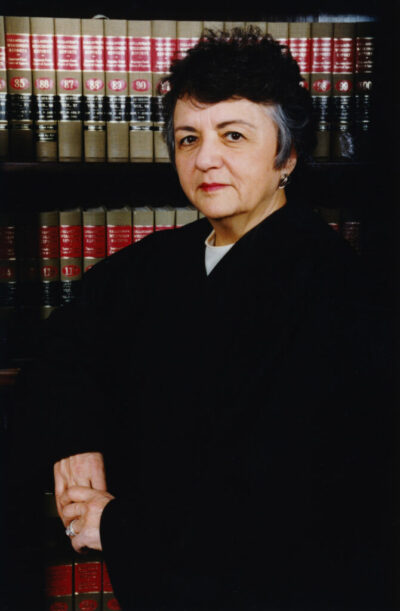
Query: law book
{"points": [[119, 229], [261, 25], [27, 242], [140, 88], [142, 222], [69, 88], [185, 215], [188, 34], [44, 88], [88, 581], [3, 95], [110, 603], [94, 236], [279, 30], [230, 25], [363, 88], [164, 218], [300, 48], [19, 85], [342, 135], [215, 26], [321, 84], [58, 561], [163, 50], [94, 89], [49, 261], [116, 66], [71, 251], [8, 261]]}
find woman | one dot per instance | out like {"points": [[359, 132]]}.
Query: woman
{"points": [[237, 420]]}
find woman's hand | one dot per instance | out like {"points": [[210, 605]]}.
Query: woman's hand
{"points": [[83, 507], [85, 469]]}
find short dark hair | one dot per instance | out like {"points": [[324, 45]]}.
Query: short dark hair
{"points": [[244, 63]]}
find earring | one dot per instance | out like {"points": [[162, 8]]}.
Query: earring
{"points": [[283, 181]]}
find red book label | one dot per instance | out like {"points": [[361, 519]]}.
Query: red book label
{"points": [[141, 85], [141, 231], [88, 604], [69, 84], [7, 242], [113, 605], [364, 86], [184, 44], [93, 53], [116, 54], [87, 577], [94, 241], [343, 86], [94, 84], [300, 49], [162, 227], [117, 84], [58, 580], [321, 55], [43, 57], [2, 84], [59, 606], [7, 273], [71, 241], [3, 58], [48, 242], [322, 86], [343, 55], [49, 272], [68, 52], [364, 62], [18, 52], [139, 52], [71, 271], [118, 237], [163, 50], [44, 84], [19, 83]]}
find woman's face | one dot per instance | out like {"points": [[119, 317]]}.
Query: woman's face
{"points": [[224, 155]]}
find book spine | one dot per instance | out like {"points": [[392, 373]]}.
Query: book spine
{"points": [[119, 229], [44, 88], [116, 67], [87, 582], [69, 88], [27, 240], [49, 261], [185, 215], [70, 254], [230, 25], [8, 261], [163, 50], [140, 87], [321, 85], [93, 77], [110, 603], [164, 218], [351, 229], [215, 26], [19, 85], [94, 237], [142, 222], [261, 25], [188, 35], [342, 137], [300, 48], [3, 95], [279, 30], [363, 88]]}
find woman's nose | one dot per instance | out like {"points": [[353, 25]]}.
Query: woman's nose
{"points": [[208, 155]]}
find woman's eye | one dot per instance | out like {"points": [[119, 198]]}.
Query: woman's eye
{"points": [[187, 140], [234, 136]]}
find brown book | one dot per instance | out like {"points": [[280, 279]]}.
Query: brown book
{"points": [[279, 30], [321, 84], [261, 25], [94, 236], [8, 260], [49, 261], [110, 603], [163, 50], [185, 215], [140, 87], [19, 85], [71, 264], [342, 135], [93, 76], [215, 26], [363, 88], [3, 95], [188, 34], [142, 222], [44, 88], [116, 66], [300, 48], [164, 218], [230, 25], [69, 88], [87, 581], [119, 229]]}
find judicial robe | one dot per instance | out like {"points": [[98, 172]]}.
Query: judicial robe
{"points": [[240, 416]]}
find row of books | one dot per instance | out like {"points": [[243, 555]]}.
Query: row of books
{"points": [[89, 89], [43, 257]]}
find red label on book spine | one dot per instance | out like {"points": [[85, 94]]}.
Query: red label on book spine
{"points": [[163, 227], [300, 49], [163, 50], [141, 85], [44, 84], [19, 83], [116, 54], [18, 52], [118, 237], [113, 605], [7, 272], [58, 580], [94, 241], [7, 242], [321, 55], [184, 44], [343, 55], [93, 53], [43, 52], [70, 241], [49, 272], [364, 62], [117, 84], [94, 84], [141, 231], [2, 58], [139, 52], [2, 84], [58, 605], [69, 84], [322, 86], [71, 271], [344, 86], [68, 53], [48, 242], [87, 577]]}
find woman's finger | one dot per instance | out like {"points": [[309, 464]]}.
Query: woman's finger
{"points": [[74, 510], [76, 494]]}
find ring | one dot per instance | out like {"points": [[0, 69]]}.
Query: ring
{"points": [[69, 531]]}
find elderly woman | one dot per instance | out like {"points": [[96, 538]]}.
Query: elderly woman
{"points": [[225, 374]]}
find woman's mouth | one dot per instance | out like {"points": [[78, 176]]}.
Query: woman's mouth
{"points": [[211, 186]]}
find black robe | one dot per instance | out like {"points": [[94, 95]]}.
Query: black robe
{"points": [[240, 414]]}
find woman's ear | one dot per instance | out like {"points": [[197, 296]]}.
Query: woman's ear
{"points": [[291, 161]]}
